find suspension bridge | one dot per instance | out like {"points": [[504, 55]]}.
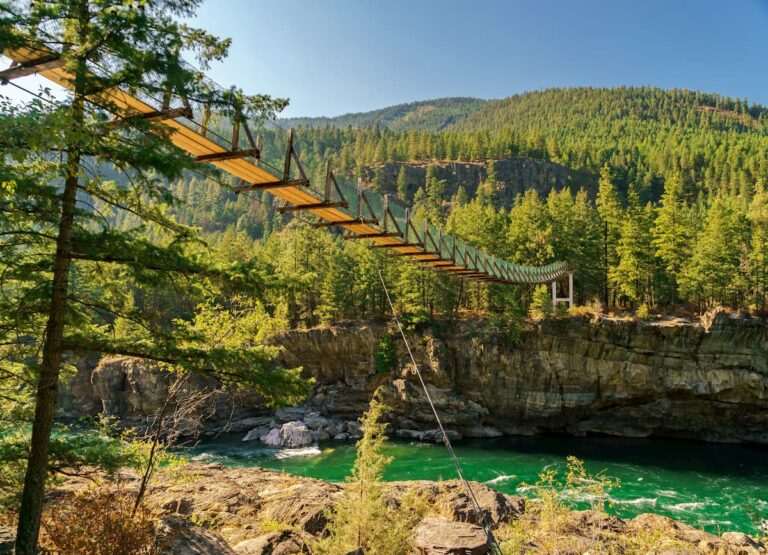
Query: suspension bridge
{"points": [[364, 214]]}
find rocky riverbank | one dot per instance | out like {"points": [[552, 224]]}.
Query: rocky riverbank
{"points": [[705, 380], [218, 510]]}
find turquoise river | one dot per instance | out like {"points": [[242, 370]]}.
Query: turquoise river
{"points": [[717, 487]]}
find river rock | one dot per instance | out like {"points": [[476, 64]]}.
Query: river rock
{"points": [[290, 414], [290, 435], [482, 431], [257, 433], [314, 421], [744, 543], [284, 542], [353, 429], [435, 435], [179, 536], [452, 496], [246, 424], [438, 536], [320, 435]]}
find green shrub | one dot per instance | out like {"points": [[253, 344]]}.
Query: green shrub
{"points": [[643, 312], [547, 516], [72, 448], [508, 325], [363, 519]]}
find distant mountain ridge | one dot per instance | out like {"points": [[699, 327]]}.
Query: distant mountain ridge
{"points": [[544, 108], [429, 115], [643, 134]]}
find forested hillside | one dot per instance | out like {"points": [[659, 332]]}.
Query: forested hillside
{"points": [[431, 115], [674, 212], [645, 133]]}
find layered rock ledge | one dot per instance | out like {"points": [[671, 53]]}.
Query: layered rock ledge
{"points": [[705, 380]]}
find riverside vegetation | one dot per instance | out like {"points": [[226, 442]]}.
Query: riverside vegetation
{"points": [[206, 509], [114, 242]]}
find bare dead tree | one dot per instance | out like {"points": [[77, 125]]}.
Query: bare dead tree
{"points": [[182, 411]]}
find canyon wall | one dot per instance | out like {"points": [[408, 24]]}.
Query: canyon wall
{"points": [[513, 176], [705, 380]]}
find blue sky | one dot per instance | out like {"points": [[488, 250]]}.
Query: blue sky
{"points": [[337, 56]]}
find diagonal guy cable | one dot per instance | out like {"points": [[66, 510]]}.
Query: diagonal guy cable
{"points": [[486, 525]]}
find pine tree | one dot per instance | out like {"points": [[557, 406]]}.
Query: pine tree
{"points": [[758, 256], [72, 270], [529, 232], [402, 184], [713, 273], [461, 197], [362, 520], [673, 231], [633, 275], [541, 302], [610, 211]]}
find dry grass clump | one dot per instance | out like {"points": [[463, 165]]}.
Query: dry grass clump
{"points": [[593, 308], [98, 521]]}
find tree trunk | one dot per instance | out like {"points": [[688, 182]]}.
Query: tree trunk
{"points": [[32, 498], [605, 265], [47, 386]]}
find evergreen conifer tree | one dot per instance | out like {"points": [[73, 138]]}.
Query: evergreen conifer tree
{"points": [[673, 231], [610, 211], [67, 266]]}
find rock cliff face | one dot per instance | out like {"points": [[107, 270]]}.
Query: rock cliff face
{"points": [[706, 380], [513, 176], [134, 391]]}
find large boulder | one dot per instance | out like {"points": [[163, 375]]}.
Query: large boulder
{"points": [[290, 434], [437, 536], [178, 536], [452, 496], [134, 391], [246, 424], [240, 497]]}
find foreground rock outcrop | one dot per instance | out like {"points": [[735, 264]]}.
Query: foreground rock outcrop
{"points": [[262, 512]]}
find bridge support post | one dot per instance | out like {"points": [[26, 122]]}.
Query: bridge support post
{"points": [[569, 298]]}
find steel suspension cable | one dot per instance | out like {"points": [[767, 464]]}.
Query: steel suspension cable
{"points": [[484, 522]]}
